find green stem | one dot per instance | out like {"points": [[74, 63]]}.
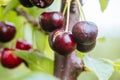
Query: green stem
{"points": [[82, 17], [65, 8], [68, 15]]}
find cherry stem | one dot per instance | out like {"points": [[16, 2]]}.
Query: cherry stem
{"points": [[82, 17], [68, 15], [65, 8]]}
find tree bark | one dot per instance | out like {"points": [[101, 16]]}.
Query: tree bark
{"points": [[70, 66]]}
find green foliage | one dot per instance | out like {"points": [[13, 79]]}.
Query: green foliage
{"points": [[4, 2], [103, 4], [102, 39], [10, 74], [11, 5], [101, 68], [116, 65], [36, 62], [36, 76]]}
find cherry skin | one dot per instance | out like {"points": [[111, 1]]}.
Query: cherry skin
{"points": [[23, 45], [7, 32], [9, 60], [62, 42], [85, 32], [86, 48], [42, 3], [26, 3], [51, 21]]}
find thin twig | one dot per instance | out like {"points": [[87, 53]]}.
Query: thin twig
{"points": [[30, 19]]}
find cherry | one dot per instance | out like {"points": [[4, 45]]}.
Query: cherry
{"points": [[10, 60], [26, 3], [42, 3], [85, 48], [23, 45], [62, 42], [7, 32], [85, 32], [51, 21]]}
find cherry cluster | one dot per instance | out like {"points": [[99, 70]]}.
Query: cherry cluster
{"points": [[37, 3], [7, 58], [10, 60], [83, 36]]}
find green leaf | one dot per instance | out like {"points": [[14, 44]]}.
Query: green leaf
{"points": [[39, 39], [36, 76], [80, 54], [103, 4], [12, 4], [101, 68], [4, 2], [36, 62], [116, 65], [9, 74], [102, 39], [27, 32], [48, 51]]}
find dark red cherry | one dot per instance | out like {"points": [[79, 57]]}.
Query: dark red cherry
{"points": [[85, 48], [23, 45], [0, 53], [42, 3], [7, 32], [85, 32], [9, 60], [26, 3], [62, 42], [51, 21]]}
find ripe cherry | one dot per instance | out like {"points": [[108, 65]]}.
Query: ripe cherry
{"points": [[9, 60], [51, 21], [62, 42], [7, 32], [42, 3], [85, 48], [26, 3], [23, 45], [85, 32]]}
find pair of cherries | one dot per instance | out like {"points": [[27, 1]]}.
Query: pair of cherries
{"points": [[83, 36], [37, 3], [10, 60]]}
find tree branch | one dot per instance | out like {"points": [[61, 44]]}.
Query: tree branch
{"points": [[70, 66], [30, 19]]}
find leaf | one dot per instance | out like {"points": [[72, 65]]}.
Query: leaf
{"points": [[4, 2], [27, 32], [103, 4], [36, 62], [39, 39], [101, 68], [13, 73], [80, 54], [36, 76], [102, 39], [116, 65], [12, 4]]}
